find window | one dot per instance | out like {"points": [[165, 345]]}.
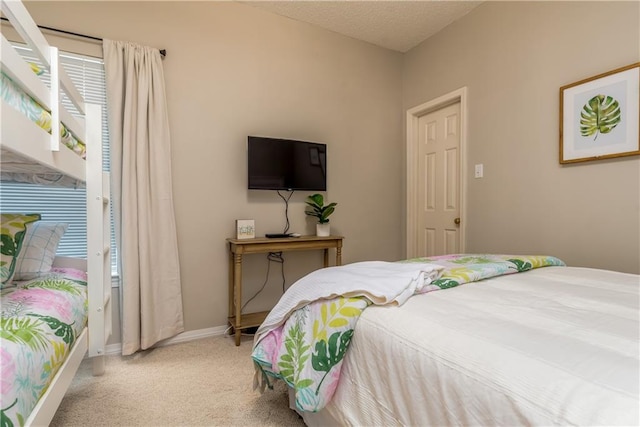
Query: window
{"points": [[60, 204]]}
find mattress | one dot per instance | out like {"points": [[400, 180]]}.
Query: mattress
{"points": [[40, 322], [305, 337], [16, 168], [550, 346]]}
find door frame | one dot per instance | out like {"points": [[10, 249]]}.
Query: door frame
{"points": [[413, 115]]}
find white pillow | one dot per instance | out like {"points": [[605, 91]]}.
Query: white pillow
{"points": [[38, 249]]}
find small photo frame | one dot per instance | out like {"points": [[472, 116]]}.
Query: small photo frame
{"points": [[600, 116], [245, 229]]}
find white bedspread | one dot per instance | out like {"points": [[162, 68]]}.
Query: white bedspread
{"points": [[381, 282], [552, 346]]}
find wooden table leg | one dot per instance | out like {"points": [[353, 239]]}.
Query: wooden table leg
{"points": [[339, 255], [237, 294], [326, 258], [231, 290]]}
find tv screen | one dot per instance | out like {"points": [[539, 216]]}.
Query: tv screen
{"points": [[283, 164]]}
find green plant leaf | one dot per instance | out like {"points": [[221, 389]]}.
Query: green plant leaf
{"points": [[5, 421], [290, 363], [325, 214], [445, 283], [62, 330], [286, 358], [7, 245], [318, 199], [314, 206], [318, 210], [350, 311], [329, 354], [304, 383], [338, 322], [601, 114], [521, 265], [23, 331], [56, 284]]}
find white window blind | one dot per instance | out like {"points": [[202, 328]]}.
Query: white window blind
{"points": [[59, 204]]}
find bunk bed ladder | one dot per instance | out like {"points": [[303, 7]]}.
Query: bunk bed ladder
{"points": [[98, 238]]}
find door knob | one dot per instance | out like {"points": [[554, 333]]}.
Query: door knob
{"points": [[456, 221]]}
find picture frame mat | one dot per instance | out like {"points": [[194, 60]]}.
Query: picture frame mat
{"points": [[627, 144]]}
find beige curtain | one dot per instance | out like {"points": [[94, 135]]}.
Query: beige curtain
{"points": [[151, 296]]}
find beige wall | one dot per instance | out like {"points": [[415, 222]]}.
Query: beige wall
{"points": [[233, 71], [514, 57]]}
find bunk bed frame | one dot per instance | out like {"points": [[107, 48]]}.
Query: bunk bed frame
{"points": [[21, 137]]}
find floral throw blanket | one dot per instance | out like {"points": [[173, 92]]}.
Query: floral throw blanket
{"points": [[40, 322], [307, 350]]}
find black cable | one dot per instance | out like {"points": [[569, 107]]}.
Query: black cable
{"points": [[286, 209], [275, 257]]}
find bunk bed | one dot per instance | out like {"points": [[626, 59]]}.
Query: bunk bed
{"points": [[48, 150]]}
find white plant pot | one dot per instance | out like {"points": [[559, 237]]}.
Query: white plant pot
{"points": [[323, 230]]}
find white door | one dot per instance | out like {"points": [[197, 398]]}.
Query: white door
{"points": [[438, 182]]}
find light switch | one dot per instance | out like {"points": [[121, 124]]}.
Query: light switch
{"points": [[479, 171]]}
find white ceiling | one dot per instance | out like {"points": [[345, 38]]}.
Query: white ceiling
{"points": [[393, 24]]}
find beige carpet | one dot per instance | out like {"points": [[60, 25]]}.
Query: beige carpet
{"points": [[204, 382]]}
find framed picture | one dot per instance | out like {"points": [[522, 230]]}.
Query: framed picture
{"points": [[245, 229], [599, 116]]}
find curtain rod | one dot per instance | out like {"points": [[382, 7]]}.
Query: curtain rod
{"points": [[163, 52]]}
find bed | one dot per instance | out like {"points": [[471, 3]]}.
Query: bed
{"points": [[42, 142], [536, 344]]}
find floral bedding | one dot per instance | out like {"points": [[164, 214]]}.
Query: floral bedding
{"points": [[13, 95], [40, 322], [308, 349]]}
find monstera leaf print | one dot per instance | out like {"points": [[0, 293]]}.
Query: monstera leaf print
{"points": [[521, 265], [329, 354], [4, 418], [62, 330], [601, 114], [444, 283]]}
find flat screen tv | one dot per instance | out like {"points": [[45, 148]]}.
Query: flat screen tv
{"points": [[284, 164]]}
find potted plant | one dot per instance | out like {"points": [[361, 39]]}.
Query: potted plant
{"points": [[317, 208]]}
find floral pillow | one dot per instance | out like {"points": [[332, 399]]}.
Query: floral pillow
{"points": [[12, 231]]}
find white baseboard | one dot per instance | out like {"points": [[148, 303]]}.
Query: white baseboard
{"points": [[112, 349]]}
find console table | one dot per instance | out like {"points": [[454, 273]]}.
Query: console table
{"points": [[240, 247]]}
